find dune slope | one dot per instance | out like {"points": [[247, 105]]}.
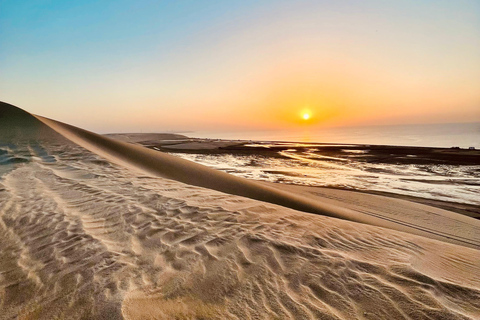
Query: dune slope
{"points": [[83, 238], [168, 166]]}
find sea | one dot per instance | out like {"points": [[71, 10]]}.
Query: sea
{"points": [[453, 183], [444, 135]]}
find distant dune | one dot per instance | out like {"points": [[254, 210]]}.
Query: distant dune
{"points": [[163, 238]]}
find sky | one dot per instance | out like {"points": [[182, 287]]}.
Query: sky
{"points": [[131, 66]]}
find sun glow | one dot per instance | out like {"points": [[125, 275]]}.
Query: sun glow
{"points": [[306, 116]]}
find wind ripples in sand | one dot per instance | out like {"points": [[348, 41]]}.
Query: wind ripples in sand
{"points": [[82, 238]]}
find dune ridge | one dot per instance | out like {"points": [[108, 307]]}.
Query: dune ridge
{"points": [[171, 167]]}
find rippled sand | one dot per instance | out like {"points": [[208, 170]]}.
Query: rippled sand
{"points": [[82, 238]]}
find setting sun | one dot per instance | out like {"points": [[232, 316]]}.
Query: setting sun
{"points": [[306, 116]]}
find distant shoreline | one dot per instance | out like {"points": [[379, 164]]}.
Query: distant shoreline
{"points": [[381, 154], [376, 153], [438, 135]]}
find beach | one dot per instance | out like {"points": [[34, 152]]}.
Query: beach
{"points": [[120, 227]]}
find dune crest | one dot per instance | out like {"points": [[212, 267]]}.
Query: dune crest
{"points": [[171, 167]]}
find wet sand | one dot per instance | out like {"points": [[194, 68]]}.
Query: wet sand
{"points": [[376, 154], [359, 152]]}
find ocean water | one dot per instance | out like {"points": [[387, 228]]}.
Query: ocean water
{"points": [[456, 183], [446, 135]]}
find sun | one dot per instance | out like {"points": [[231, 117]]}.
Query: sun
{"points": [[306, 116]]}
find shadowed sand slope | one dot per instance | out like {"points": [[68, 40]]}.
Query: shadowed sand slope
{"points": [[83, 238]]}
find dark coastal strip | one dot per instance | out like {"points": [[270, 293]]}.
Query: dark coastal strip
{"points": [[362, 152]]}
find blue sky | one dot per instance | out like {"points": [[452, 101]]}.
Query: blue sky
{"points": [[195, 65]]}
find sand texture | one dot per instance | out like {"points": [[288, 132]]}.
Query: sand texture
{"points": [[82, 237], [160, 164]]}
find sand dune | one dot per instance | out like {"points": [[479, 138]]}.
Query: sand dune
{"points": [[168, 166], [84, 238]]}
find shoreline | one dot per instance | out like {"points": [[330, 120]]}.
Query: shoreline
{"points": [[336, 154], [395, 214], [386, 154]]}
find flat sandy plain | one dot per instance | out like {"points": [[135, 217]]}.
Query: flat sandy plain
{"points": [[95, 228]]}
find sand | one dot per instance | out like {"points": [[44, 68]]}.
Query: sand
{"points": [[123, 234]]}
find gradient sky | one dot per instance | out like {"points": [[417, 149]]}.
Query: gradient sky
{"points": [[120, 66]]}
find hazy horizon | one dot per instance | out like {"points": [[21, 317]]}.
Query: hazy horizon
{"points": [[308, 128], [193, 66]]}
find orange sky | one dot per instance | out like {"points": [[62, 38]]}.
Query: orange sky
{"points": [[243, 66]]}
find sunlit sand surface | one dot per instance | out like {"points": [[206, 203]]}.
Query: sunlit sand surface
{"points": [[82, 237]]}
